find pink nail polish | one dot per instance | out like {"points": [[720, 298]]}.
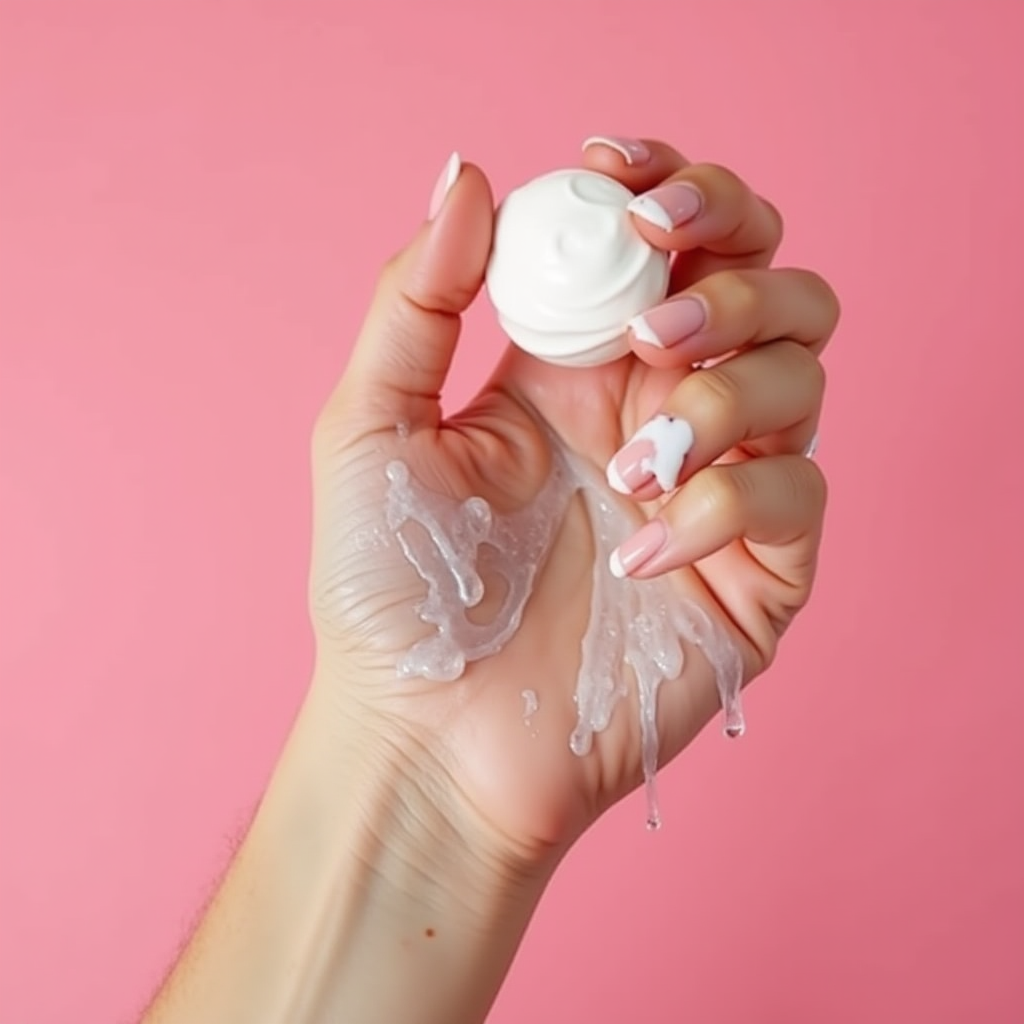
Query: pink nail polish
{"points": [[632, 554], [630, 469], [670, 323], [445, 182], [668, 206], [656, 451], [633, 151]]}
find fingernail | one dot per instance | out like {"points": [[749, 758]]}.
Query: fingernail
{"points": [[668, 206], [630, 555], [656, 450], [630, 468], [633, 151], [444, 185], [670, 323]]}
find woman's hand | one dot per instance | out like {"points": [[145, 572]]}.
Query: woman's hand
{"points": [[410, 827], [738, 531]]}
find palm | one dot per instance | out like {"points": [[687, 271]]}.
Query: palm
{"points": [[754, 536], [520, 774]]}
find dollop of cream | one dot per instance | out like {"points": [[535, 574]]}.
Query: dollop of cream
{"points": [[568, 268]]}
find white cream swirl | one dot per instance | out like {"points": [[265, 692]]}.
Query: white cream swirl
{"points": [[568, 268]]}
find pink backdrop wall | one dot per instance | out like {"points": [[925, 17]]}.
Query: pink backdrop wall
{"points": [[195, 198]]}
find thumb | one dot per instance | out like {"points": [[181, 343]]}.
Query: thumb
{"points": [[407, 341]]}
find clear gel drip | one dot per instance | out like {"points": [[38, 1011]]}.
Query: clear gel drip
{"points": [[462, 536], [639, 624], [530, 705]]}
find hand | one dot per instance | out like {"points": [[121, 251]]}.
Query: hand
{"points": [[415, 823], [738, 533]]}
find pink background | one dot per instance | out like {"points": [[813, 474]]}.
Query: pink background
{"points": [[195, 198]]}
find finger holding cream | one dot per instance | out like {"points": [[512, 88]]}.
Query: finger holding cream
{"points": [[767, 401], [707, 206], [736, 309], [778, 502], [639, 164], [653, 455]]}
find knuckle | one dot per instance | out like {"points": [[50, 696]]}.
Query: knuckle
{"points": [[805, 487], [806, 366], [712, 395], [738, 294], [724, 496], [824, 295], [775, 218], [818, 374], [817, 485], [724, 182]]}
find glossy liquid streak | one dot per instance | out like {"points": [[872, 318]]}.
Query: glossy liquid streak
{"points": [[640, 624]]}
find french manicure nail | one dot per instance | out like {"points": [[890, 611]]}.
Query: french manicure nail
{"points": [[633, 151], [444, 185], [656, 451], [670, 323], [668, 206], [631, 554], [630, 467]]}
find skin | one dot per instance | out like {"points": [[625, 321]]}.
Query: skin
{"points": [[409, 829]]}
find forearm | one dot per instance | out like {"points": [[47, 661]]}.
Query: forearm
{"points": [[356, 896]]}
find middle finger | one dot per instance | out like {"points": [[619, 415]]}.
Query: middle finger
{"points": [[736, 309]]}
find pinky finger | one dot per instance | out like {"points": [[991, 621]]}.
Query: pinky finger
{"points": [[774, 504]]}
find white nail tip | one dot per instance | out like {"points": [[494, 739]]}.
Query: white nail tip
{"points": [[603, 140], [446, 180], [615, 481], [649, 210], [618, 570], [642, 331], [452, 169]]}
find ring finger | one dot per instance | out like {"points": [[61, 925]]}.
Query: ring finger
{"points": [[775, 502], [766, 400]]}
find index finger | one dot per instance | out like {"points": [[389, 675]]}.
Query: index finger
{"points": [[709, 207]]}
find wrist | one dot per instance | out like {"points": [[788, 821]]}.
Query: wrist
{"points": [[365, 890], [410, 870]]}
